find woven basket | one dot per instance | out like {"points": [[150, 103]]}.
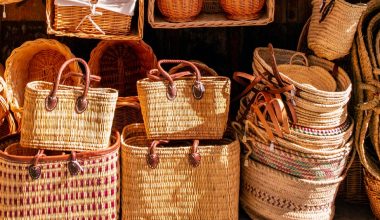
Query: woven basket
{"points": [[377, 48], [8, 123], [209, 191], [271, 194], [120, 64], [92, 193], [68, 117], [186, 107], [332, 31], [242, 9], [35, 60], [180, 10], [293, 159]]}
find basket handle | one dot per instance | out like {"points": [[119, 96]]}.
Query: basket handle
{"points": [[81, 102], [198, 87], [129, 101], [153, 158], [304, 60]]}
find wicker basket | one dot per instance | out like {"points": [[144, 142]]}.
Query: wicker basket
{"points": [[377, 48], [73, 21], [8, 123], [270, 194], [176, 189], [186, 107], [48, 190], [120, 64], [35, 60], [180, 10], [58, 117], [332, 28], [242, 9]]}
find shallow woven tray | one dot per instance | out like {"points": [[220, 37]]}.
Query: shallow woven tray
{"points": [[136, 32], [209, 20]]}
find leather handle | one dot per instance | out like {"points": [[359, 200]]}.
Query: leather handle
{"points": [[198, 87], [194, 156], [51, 100], [93, 78], [274, 66], [326, 9], [35, 170]]}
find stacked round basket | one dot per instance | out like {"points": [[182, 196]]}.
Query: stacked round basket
{"points": [[304, 144], [366, 64]]}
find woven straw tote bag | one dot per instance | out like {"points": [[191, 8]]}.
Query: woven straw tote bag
{"points": [[180, 107], [180, 10], [333, 27], [42, 186], [120, 64], [199, 181], [242, 9], [270, 194], [59, 117], [35, 60]]}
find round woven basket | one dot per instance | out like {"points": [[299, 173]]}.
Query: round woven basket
{"points": [[5, 2], [332, 32], [120, 64], [180, 10], [242, 9], [37, 60]]}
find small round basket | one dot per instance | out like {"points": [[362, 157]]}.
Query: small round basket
{"points": [[242, 9], [180, 10]]}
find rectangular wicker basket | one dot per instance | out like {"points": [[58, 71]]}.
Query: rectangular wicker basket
{"points": [[63, 20], [206, 19]]}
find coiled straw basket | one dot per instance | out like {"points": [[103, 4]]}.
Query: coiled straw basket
{"points": [[180, 10], [242, 9], [32, 61], [47, 188], [121, 64], [175, 188], [332, 28]]}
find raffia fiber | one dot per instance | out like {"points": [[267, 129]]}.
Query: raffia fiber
{"points": [[121, 64], [185, 117], [92, 194], [332, 38], [271, 194], [175, 189], [35, 60]]}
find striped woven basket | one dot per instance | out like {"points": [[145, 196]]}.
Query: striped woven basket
{"points": [[333, 27], [173, 187], [59, 117], [291, 158], [270, 194], [48, 190], [32, 61], [180, 107], [120, 64]]}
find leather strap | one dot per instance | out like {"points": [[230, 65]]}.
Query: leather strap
{"points": [[239, 76]]}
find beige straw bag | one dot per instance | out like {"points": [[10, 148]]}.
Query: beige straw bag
{"points": [[178, 185], [45, 187], [271, 194], [59, 117], [333, 27], [178, 107]]}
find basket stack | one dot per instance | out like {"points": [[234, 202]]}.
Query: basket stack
{"points": [[182, 162], [294, 131], [366, 70], [64, 164]]}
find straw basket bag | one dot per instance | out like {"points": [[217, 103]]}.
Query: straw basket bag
{"points": [[179, 180], [180, 10], [59, 117], [242, 9], [271, 194], [332, 27], [8, 123], [179, 107], [35, 60], [42, 187], [120, 64]]}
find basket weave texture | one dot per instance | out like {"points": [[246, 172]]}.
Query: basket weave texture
{"points": [[71, 124], [332, 37], [56, 194], [208, 191], [185, 116], [180, 10], [242, 9]]}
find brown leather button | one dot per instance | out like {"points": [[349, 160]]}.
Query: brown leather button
{"points": [[50, 103], [153, 160], [34, 171], [198, 90], [195, 159], [74, 167], [171, 92], [81, 104]]}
